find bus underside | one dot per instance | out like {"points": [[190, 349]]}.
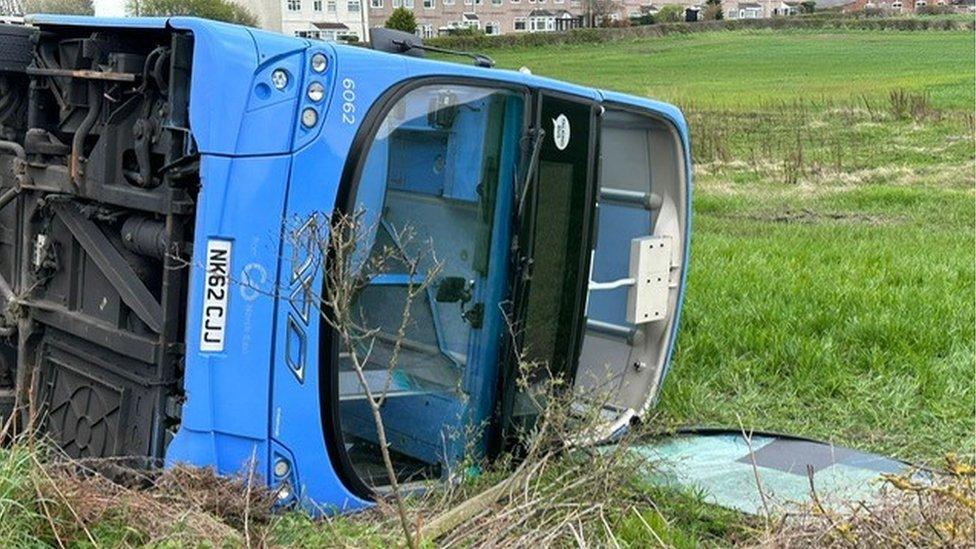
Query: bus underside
{"points": [[98, 193]]}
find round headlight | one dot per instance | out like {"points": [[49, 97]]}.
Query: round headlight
{"points": [[309, 117], [279, 79], [281, 467], [319, 62], [316, 91]]}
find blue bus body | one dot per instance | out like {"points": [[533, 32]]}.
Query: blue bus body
{"points": [[256, 399]]}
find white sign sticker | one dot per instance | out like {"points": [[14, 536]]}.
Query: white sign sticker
{"points": [[560, 131], [216, 289]]}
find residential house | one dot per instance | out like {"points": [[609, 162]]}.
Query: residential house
{"points": [[441, 17], [325, 19], [788, 8], [745, 10], [552, 20], [905, 6], [351, 19]]}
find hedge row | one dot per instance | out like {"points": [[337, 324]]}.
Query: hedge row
{"points": [[598, 35]]}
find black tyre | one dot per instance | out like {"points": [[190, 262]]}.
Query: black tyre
{"points": [[15, 48]]}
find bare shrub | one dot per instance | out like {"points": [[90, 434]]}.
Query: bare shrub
{"points": [[793, 166], [60, 501], [555, 492], [542, 495], [921, 509], [350, 268], [711, 141], [906, 105], [935, 10]]}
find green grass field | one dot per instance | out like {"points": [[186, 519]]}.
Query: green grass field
{"points": [[831, 290], [832, 276], [744, 70]]}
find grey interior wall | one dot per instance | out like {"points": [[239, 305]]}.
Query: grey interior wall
{"points": [[638, 153]]}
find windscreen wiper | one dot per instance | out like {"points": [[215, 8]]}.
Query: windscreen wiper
{"points": [[536, 136], [396, 41], [479, 59]]}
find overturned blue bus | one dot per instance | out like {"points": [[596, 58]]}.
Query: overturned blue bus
{"points": [[158, 292]]}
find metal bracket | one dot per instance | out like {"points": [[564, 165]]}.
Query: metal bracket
{"points": [[650, 267], [649, 281]]}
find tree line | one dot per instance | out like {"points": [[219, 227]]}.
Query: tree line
{"points": [[220, 10]]}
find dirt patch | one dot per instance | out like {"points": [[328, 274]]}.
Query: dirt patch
{"points": [[806, 216]]}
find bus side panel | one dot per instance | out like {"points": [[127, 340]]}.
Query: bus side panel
{"points": [[225, 417]]}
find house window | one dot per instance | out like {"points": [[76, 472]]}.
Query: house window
{"points": [[376, 4], [330, 6], [448, 2], [425, 31], [353, 6], [468, 2], [327, 35], [542, 24], [493, 28], [294, 5], [496, 2], [408, 4], [468, 20], [397, 3], [428, 4], [317, 5]]}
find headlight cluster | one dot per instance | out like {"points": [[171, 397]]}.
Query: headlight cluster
{"points": [[315, 91]]}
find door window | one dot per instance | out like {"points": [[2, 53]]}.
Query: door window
{"points": [[440, 168], [556, 226]]}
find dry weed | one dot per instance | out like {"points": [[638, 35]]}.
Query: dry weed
{"points": [[926, 509], [182, 505]]}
